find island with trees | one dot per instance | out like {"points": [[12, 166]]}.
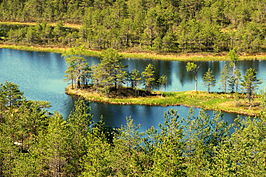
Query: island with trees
{"points": [[109, 82]]}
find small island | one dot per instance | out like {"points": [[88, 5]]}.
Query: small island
{"points": [[109, 82]]}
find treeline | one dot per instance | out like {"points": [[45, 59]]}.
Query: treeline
{"points": [[41, 34], [35, 143], [231, 80], [164, 25]]}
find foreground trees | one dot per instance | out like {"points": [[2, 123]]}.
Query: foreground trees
{"points": [[34, 143]]}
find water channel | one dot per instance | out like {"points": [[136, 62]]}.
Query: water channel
{"points": [[40, 76]]}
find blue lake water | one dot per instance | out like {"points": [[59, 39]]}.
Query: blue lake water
{"points": [[40, 76]]}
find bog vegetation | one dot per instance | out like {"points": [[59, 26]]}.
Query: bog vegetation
{"points": [[162, 26], [36, 143]]}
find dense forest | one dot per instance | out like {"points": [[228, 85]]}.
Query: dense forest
{"points": [[37, 143], [153, 25]]}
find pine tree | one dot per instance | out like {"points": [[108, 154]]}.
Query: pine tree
{"points": [[12, 94], [148, 75], [78, 123], [52, 149], [250, 83], [168, 148], [162, 81], [209, 79], [225, 76], [109, 73], [135, 78], [194, 68]]}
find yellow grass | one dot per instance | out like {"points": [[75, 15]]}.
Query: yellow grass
{"points": [[200, 99], [68, 25], [140, 55]]}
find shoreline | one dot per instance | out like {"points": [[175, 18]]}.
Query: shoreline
{"points": [[140, 55], [200, 99], [67, 25]]}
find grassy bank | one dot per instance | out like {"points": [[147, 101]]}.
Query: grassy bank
{"points": [[68, 25], [208, 101], [141, 55]]}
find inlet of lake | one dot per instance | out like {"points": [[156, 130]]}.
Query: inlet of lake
{"points": [[40, 76]]}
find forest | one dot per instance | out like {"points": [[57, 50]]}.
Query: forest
{"points": [[36, 143], [139, 25]]}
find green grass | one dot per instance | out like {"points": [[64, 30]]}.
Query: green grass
{"points": [[208, 101], [139, 55]]}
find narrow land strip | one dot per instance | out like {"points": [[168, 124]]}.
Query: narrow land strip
{"points": [[141, 55], [208, 101], [68, 25]]}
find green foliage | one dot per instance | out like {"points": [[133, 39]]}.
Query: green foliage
{"points": [[225, 74], [110, 72], [78, 70], [10, 94], [34, 143], [209, 79], [135, 78], [194, 68], [164, 25], [79, 124], [233, 56], [250, 83], [148, 75], [162, 81]]}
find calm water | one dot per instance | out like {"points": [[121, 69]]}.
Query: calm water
{"points": [[41, 77]]}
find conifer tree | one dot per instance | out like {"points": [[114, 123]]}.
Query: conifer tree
{"points": [[149, 77], [194, 68], [52, 149], [135, 78], [162, 81], [209, 79], [250, 83], [79, 125], [225, 76]]}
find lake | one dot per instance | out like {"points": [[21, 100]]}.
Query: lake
{"points": [[40, 76]]}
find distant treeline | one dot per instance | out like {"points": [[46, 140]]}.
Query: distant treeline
{"points": [[161, 25]]}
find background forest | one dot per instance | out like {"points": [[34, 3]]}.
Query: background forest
{"points": [[159, 25]]}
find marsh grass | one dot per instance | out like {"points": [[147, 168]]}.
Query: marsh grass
{"points": [[139, 55], [200, 99]]}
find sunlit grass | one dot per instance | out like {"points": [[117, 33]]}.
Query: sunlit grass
{"points": [[139, 55], [200, 99], [68, 25]]}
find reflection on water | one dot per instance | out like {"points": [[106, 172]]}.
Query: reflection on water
{"points": [[41, 77]]}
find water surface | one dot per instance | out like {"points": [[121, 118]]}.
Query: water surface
{"points": [[40, 76]]}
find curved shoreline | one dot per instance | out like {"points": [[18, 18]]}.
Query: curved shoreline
{"points": [[204, 100], [140, 55]]}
